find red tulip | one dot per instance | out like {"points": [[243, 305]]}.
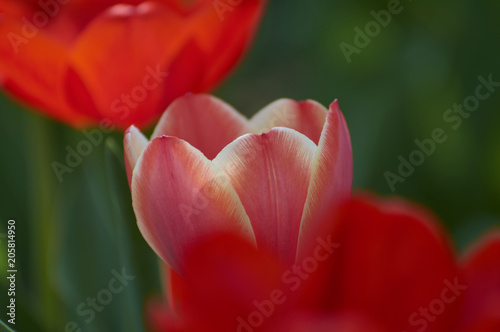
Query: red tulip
{"points": [[202, 174], [119, 62], [390, 268]]}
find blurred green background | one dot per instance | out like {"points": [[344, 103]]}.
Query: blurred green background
{"points": [[72, 235]]}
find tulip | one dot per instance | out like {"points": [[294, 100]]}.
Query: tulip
{"points": [[208, 169], [392, 269], [118, 62]]}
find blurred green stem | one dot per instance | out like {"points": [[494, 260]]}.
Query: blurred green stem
{"points": [[43, 225]]}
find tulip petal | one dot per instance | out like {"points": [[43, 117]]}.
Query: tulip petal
{"points": [[482, 275], [165, 314], [180, 198], [307, 117], [331, 177], [31, 67], [324, 322], [227, 280], [14, 8], [391, 260], [225, 275], [224, 31], [134, 142], [141, 42], [81, 12], [159, 317], [186, 7], [204, 121], [271, 174]]}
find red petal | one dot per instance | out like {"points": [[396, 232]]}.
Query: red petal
{"points": [[393, 261], [224, 279], [159, 318], [325, 322], [230, 286], [482, 275]]}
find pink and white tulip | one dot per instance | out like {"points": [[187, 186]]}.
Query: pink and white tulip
{"points": [[208, 169]]}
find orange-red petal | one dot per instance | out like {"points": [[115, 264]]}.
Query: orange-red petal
{"points": [[224, 35], [121, 62], [31, 70]]}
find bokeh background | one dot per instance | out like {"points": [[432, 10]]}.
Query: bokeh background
{"points": [[72, 235]]}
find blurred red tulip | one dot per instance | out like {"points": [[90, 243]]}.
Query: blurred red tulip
{"points": [[202, 174], [392, 270], [119, 62]]}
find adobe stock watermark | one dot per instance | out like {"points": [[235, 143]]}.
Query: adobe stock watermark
{"points": [[454, 118], [88, 310], [428, 314], [122, 107], [223, 6], [292, 280], [40, 19], [372, 29]]}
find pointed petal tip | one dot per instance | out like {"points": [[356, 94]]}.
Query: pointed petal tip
{"points": [[332, 174], [130, 129], [334, 106]]}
